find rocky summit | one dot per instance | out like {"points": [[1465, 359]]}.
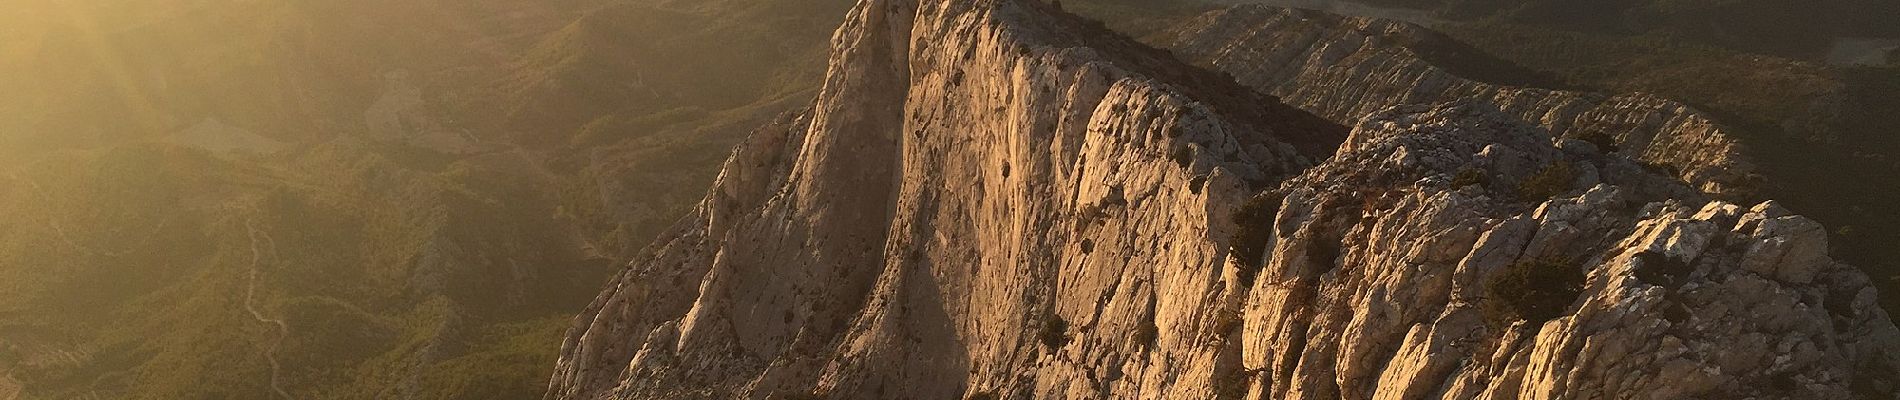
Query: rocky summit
{"points": [[1345, 68], [995, 199]]}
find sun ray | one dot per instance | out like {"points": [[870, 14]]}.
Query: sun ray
{"points": [[109, 62]]}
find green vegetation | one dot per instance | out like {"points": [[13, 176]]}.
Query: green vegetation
{"points": [[1054, 333], [400, 267], [1551, 181], [1661, 269], [145, 264], [1468, 176], [1253, 227], [1533, 291]]}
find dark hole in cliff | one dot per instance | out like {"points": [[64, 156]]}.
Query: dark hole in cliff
{"points": [[1676, 313], [1602, 140], [1184, 156], [1323, 254], [1840, 303], [1005, 170], [1661, 270], [1195, 185], [1115, 197], [1088, 246], [1054, 333], [1549, 182], [956, 79], [1534, 291], [1254, 221]]}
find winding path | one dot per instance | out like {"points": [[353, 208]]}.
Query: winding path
{"points": [[250, 305]]}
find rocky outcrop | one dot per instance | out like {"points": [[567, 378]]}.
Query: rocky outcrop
{"points": [[1344, 68], [993, 199], [1680, 297]]}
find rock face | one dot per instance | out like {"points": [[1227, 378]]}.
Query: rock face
{"points": [[992, 199], [1344, 68], [1682, 298]]}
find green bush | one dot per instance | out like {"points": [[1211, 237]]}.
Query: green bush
{"points": [[1255, 223], [1661, 269], [1549, 182], [1055, 332], [1533, 291], [1468, 177]]}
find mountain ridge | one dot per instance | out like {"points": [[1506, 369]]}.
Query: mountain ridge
{"points": [[1347, 67], [979, 206]]}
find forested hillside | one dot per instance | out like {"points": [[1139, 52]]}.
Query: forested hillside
{"points": [[225, 199]]}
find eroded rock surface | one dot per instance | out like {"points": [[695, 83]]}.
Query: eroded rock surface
{"points": [[1345, 68], [1684, 298], [993, 199]]}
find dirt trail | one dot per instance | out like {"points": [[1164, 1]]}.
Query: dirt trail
{"points": [[280, 328]]}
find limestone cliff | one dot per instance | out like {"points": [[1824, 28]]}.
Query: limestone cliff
{"points": [[1347, 67], [993, 199]]}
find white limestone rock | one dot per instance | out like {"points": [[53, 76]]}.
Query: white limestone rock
{"points": [[988, 199]]}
